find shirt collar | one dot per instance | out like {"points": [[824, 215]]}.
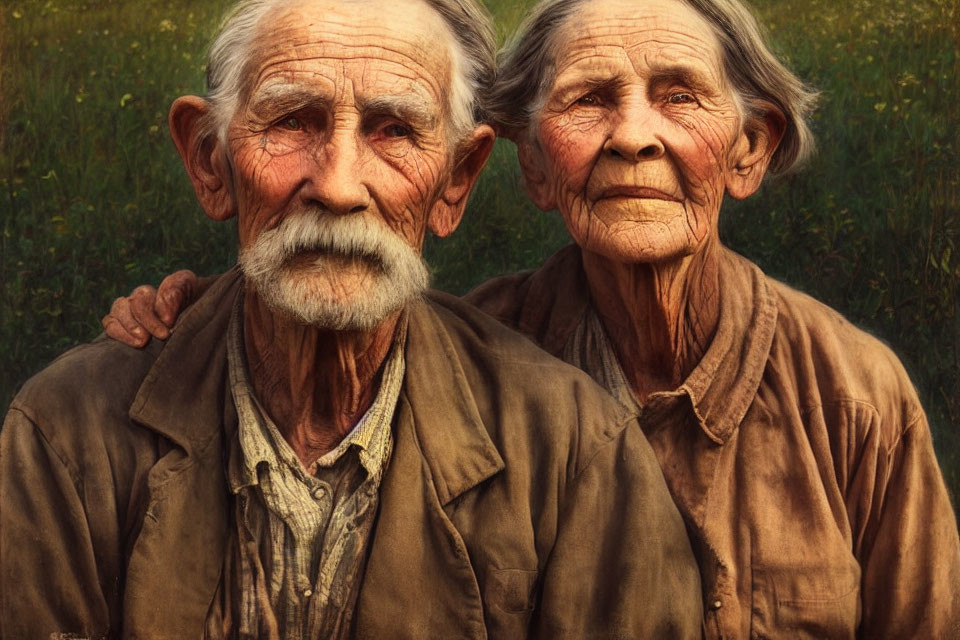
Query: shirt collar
{"points": [[725, 381], [259, 441]]}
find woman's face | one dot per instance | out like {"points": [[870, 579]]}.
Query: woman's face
{"points": [[639, 134]]}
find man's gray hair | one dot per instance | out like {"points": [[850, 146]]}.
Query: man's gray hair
{"points": [[473, 60], [527, 69]]}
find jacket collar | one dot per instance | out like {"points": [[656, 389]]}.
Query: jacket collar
{"points": [[182, 396], [455, 444]]}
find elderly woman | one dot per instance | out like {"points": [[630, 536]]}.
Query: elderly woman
{"points": [[793, 443]]}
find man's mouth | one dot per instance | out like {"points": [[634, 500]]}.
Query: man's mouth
{"points": [[333, 258]]}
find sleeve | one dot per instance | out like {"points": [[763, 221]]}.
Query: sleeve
{"points": [[49, 584], [910, 558], [622, 566]]}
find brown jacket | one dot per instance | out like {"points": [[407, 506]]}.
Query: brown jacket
{"points": [[519, 500], [799, 456]]}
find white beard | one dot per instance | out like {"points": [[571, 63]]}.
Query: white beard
{"points": [[397, 273]]}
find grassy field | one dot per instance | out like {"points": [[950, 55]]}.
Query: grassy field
{"points": [[93, 199]]}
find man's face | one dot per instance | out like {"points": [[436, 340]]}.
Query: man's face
{"points": [[635, 134], [338, 150]]}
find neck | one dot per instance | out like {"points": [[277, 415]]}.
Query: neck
{"points": [[315, 384], [660, 317]]}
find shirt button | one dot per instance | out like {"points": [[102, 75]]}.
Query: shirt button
{"points": [[716, 605], [307, 593]]}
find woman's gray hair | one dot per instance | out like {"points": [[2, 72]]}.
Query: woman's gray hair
{"points": [[757, 76], [473, 59]]}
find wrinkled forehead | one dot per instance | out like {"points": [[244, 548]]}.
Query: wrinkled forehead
{"points": [[400, 42], [648, 32]]}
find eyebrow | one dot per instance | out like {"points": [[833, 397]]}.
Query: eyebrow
{"points": [[279, 99], [674, 73], [409, 108], [272, 100], [682, 74], [591, 83]]}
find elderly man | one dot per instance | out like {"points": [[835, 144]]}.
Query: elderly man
{"points": [[793, 443], [317, 453]]}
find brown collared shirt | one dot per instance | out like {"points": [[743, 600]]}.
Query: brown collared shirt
{"points": [[295, 565], [797, 452]]}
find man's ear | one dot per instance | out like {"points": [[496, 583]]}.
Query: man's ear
{"points": [[534, 171], [470, 159], [203, 156], [753, 150]]}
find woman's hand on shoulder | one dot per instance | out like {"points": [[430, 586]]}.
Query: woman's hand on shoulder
{"points": [[149, 311]]}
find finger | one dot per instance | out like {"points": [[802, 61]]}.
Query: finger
{"points": [[142, 308], [116, 329], [122, 313], [176, 292]]}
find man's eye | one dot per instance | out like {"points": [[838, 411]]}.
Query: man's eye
{"points": [[681, 98], [589, 100], [291, 124], [397, 131]]}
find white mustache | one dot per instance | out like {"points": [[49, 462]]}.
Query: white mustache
{"points": [[350, 235], [402, 274]]}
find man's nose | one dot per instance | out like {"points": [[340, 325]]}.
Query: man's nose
{"points": [[634, 135], [335, 177]]}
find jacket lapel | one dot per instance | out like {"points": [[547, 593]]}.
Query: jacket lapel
{"points": [[419, 581], [175, 564]]}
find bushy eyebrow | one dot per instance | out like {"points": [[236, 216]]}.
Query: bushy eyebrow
{"points": [[270, 101], [409, 108]]}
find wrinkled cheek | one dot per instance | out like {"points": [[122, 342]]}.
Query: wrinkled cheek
{"points": [[702, 171], [406, 224], [570, 153], [265, 175], [263, 183], [403, 198]]}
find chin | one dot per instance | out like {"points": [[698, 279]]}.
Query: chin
{"points": [[340, 304], [637, 242]]}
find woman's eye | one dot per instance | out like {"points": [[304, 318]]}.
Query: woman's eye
{"points": [[397, 131], [291, 124], [681, 98]]}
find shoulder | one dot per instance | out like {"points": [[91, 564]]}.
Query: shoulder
{"points": [[847, 370], [545, 303], [526, 397], [83, 396]]}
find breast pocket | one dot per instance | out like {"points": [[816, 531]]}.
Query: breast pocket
{"points": [[509, 596], [805, 602]]}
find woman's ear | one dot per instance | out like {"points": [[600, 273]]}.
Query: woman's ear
{"points": [[535, 179], [203, 156], [470, 159], [753, 150]]}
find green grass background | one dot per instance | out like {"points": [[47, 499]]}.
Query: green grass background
{"points": [[93, 199]]}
